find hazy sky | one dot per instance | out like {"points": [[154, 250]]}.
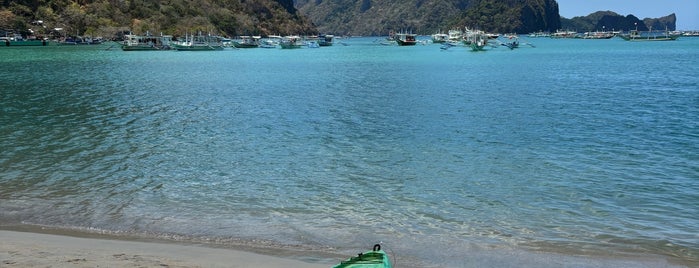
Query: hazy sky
{"points": [[687, 11]]}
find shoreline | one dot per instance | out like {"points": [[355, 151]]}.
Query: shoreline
{"points": [[25, 248], [31, 246]]}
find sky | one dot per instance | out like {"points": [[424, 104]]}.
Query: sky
{"points": [[687, 11]]}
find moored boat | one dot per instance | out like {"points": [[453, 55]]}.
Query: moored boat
{"points": [[376, 258], [80, 40], [440, 38], [21, 42], [636, 35], [326, 40], [199, 43], [455, 35], [405, 39], [291, 42], [134, 42], [269, 43], [564, 34], [512, 43], [247, 42], [597, 35], [476, 39]]}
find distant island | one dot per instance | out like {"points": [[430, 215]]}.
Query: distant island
{"points": [[611, 21], [110, 19]]}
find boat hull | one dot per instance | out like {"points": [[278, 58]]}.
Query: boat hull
{"points": [[139, 48], [198, 48], [375, 258], [243, 45], [405, 43], [26, 43]]}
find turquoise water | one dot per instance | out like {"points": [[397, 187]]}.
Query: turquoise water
{"points": [[448, 158]]}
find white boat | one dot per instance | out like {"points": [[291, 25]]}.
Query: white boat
{"points": [[455, 35], [405, 39], [269, 43], [291, 42], [199, 43], [134, 42], [440, 38]]}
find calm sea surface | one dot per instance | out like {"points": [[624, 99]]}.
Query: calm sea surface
{"points": [[530, 157]]}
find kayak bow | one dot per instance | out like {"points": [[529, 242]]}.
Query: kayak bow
{"points": [[376, 258]]}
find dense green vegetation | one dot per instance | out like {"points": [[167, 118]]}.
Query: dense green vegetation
{"points": [[109, 17], [375, 17]]}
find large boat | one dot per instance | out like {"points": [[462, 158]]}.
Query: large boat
{"points": [[376, 258], [455, 35], [269, 43], [80, 40], [597, 35], [290, 42], [405, 39], [199, 43], [440, 38], [16, 40], [247, 42], [134, 42], [326, 40], [636, 35], [564, 34], [476, 39]]}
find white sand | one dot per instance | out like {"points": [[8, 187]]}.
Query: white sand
{"points": [[22, 249]]}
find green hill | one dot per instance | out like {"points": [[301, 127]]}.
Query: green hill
{"points": [[377, 17], [108, 17]]}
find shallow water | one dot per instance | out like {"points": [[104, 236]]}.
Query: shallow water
{"points": [[582, 147]]}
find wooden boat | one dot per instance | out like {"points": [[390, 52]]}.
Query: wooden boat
{"points": [[405, 39], [376, 258]]}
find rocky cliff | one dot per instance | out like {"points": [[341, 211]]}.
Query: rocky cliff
{"points": [[608, 20], [378, 17]]}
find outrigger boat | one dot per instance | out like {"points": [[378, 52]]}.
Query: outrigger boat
{"points": [[649, 36], [247, 42], [325, 40], [376, 258], [405, 39], [199, 43], [18, 40], [291, 42], [146, 42]]}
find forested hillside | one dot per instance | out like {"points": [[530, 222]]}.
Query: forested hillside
{"points": [[107, 17], [376, 17]]}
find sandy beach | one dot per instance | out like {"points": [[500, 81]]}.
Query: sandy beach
{"points": [[30, 249], [23, 249]]}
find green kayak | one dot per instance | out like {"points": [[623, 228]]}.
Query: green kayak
{"points": [[376, 258]]}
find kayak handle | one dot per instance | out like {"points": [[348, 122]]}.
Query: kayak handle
{"points": [[377, 247]]}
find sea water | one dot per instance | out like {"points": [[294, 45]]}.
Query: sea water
{"points": [[560, 152]]}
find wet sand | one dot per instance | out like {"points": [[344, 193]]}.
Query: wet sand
{"points": [[23, 249]]}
